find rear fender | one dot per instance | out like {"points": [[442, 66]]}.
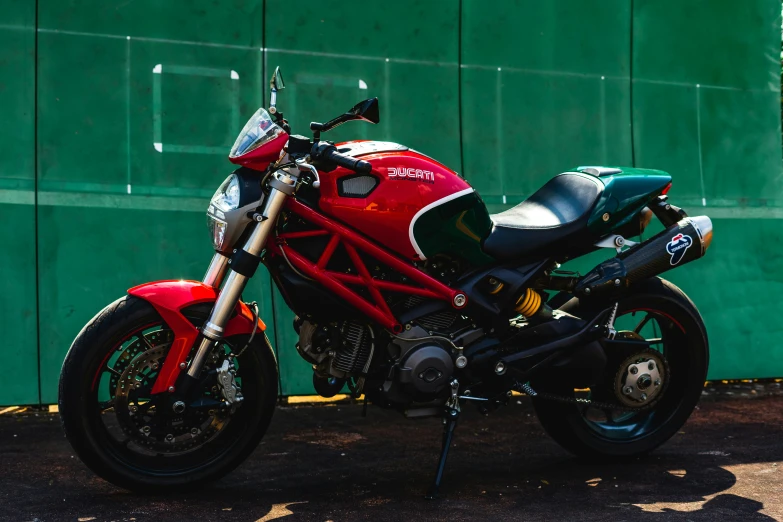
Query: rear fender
{"points": [[169, 298]]}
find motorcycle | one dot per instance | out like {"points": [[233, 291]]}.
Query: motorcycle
{"points": [[408, 293]]}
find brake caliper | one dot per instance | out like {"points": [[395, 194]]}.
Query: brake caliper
{"points": [[226, 377]]}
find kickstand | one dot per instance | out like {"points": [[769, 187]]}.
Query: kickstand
{"points": [[450, 418]]}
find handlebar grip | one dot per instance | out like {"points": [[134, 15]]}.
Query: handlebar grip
{"points": [[348, 162]]}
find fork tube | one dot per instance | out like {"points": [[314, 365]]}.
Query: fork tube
{"points": [[235, 282], [216, 271]]}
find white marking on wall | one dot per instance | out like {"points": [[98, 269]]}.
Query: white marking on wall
{"points": [[158, 69], [698, 138], [158, 147], [421, 212], [129, 188], [234, 75], [362, 84]]}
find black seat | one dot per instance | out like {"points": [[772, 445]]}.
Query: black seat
{"points": [[557, 212]]}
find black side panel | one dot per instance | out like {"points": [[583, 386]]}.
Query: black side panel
{"points": [[308, 298], [482, 303]]}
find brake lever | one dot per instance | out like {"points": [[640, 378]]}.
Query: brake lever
{"points": [[303, 166]]}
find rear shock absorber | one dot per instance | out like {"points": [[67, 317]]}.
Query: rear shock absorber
{"points": [[530, 304]]}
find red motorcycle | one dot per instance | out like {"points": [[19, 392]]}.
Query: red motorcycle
{"points": [[407, 292]]}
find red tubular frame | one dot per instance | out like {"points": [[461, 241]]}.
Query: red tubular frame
{"points": [[336, 281]]}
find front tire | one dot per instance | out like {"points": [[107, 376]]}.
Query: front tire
{"points": [[586, 433], [113, 431]]}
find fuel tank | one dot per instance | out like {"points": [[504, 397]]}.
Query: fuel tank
{"points": [[409, 203]]}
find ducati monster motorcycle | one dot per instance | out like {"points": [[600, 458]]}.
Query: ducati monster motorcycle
{"points": [[406, 291]]}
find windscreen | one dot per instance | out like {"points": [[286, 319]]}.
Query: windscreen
{"points": [[258, 130]]}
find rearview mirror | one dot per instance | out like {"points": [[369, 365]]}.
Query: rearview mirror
{"points": [[275, 84], [366, 110]]}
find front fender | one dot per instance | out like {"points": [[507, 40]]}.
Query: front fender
{"points": [[169, 298]]}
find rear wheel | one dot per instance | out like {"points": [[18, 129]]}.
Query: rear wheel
{"points": [[676, 359], [116, 425]]}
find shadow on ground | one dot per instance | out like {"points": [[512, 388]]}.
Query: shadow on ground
{"points": [[329, 463]]}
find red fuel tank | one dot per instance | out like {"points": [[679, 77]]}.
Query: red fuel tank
{"points": [[409, 203]]}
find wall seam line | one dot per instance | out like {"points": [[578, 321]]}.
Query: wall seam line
{"points": [[459, 91], [630, 89], [270, 287], [35, 208]]}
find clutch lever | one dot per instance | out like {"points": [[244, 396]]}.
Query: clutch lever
{"points": [[303, 166]]}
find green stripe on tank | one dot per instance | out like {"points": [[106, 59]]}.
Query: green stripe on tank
{"points": [[455, 228]]}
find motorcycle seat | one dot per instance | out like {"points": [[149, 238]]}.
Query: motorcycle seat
{"points": [[557, 212]]}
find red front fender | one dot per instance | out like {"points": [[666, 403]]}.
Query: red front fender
{"points": [[169, 298]]}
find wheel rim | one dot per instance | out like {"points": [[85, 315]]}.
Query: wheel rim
{"points": [[122, 412], [666, 336]]}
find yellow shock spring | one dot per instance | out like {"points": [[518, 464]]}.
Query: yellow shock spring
{"points": [[528, 303]]}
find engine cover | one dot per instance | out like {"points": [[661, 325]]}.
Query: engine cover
{"points": [[426, 370]]}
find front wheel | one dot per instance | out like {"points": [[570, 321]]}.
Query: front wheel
{"points": [[661, 314], [115, 425]]}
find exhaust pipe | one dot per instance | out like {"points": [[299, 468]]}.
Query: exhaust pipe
{"points": [[679, 244]]}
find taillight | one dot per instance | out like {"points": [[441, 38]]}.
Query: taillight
{"points": [[666, 188]]}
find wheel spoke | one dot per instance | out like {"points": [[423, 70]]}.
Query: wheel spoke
{"points": [[112, 370], [641, 324], [144, 340]]}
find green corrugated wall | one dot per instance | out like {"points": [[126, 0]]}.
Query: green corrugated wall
{"points": [[117, 117]]}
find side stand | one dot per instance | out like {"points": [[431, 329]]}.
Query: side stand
{"points": [[450, 417]]}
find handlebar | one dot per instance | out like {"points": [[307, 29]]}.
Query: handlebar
{"points": [[328, 152]]}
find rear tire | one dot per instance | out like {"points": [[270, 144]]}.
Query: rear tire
{"points": [[682, 325], [84, 421]]}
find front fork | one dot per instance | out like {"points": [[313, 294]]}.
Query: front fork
{"points": [[282, 185]]}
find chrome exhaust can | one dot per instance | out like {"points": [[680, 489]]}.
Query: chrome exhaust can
{"points": [[681, 243]]}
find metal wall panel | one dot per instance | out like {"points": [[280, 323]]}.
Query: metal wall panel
{"points": [[19, 350], [138, 105], [139, 101], [405, 53], [542, 91], [706, 108]]}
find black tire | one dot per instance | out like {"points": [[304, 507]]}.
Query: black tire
{"points": [[92, 442], [688, 361]]}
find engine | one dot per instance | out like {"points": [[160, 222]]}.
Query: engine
{"points": [[396, 371], [423, 370], [338, 350]]}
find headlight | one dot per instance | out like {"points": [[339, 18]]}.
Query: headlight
{"points": [[227, 196], [217, 231], [228, 215], [225, 200]]}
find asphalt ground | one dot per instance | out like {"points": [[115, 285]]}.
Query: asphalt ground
{"points": [[327, 462]]}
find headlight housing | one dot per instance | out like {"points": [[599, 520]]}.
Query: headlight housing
{"points": [[217, 231], [229, 209], [226, 197]]}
